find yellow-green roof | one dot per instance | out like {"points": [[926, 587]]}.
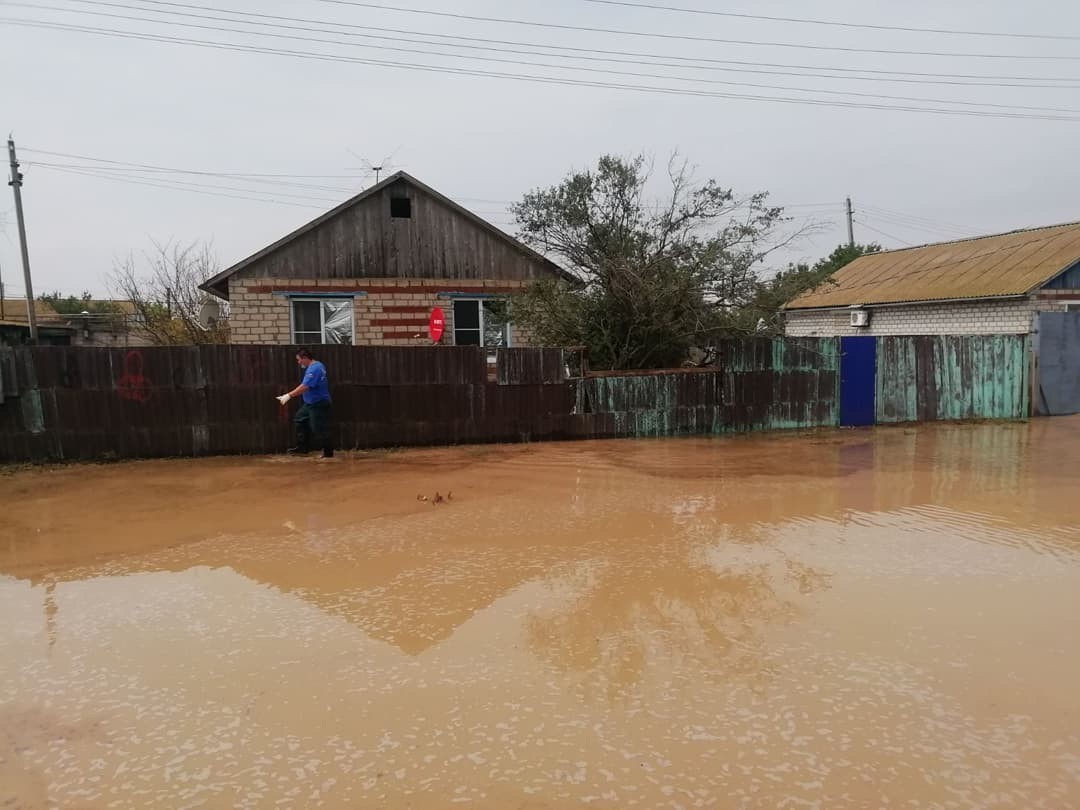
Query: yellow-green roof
{"points": [[1008, 264], [15, 309]]}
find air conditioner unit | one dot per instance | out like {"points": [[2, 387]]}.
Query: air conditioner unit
{"points": [[860, 318]]}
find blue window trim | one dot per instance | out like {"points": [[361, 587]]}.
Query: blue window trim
{"points": [[317, 294]]}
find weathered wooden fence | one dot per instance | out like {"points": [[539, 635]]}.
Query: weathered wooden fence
{"points": [[93, 403], [756, 385], [923, 379]]}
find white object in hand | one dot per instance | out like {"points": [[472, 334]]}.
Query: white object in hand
{"points": [[283, 399]]}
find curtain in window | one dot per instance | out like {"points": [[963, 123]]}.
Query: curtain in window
{"points": [[338, 321]]}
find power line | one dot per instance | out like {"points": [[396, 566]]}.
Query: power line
{"points": [[833, 23], [152, 172], [693, 37], [886, 235], [939, 233], [633, 74], [531, 78], [168, 185], [126, 166], [920, 219], [118, 170], [170, 169], [118, 173], [256, 177], [701, 63], [182, 185]]}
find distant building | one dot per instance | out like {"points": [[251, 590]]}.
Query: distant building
{"points": [[371, 271], [1019, 283], [988, 285], [119, 328], [15, 324]]}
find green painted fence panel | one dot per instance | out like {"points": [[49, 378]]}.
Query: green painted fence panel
{"points": [[896, 387], [756, 384], [953, 377]]}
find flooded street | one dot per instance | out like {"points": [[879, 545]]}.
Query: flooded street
{"points": [[868, 619]]}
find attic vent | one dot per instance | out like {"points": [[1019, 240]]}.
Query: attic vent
{"points": [[400, 208]]}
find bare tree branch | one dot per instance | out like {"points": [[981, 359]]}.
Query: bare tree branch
{"points": [[164, 290]]}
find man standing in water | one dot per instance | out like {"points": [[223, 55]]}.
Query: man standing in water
{"points": [[313, 418]]}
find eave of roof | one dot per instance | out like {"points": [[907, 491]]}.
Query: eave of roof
{"points": [[963, 270], [218, 285]]}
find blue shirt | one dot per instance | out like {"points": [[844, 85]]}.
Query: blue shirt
{"points": [[317, 383]]}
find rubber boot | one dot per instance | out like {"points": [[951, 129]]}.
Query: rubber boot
{"points": [[301, 447]]}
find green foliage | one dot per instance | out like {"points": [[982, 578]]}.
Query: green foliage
{"points": [[653, 273], [763, 314], [77, 304]]}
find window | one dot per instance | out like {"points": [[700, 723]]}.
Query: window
{"points": [[317, 321], [1072, 306], [401, 208], [481, 323]]}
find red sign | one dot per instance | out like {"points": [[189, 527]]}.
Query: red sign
{"points": [[436, 325]]}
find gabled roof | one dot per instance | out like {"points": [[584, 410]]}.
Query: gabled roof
{"points": [[218, 285], [1001, 266]]}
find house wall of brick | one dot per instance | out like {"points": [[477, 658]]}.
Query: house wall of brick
{"points": [[386, 312], [1013, 317]]}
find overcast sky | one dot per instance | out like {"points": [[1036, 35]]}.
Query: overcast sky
{"points": [[915, 176]]}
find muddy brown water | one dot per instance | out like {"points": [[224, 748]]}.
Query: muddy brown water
{"points": [[838, 620]]}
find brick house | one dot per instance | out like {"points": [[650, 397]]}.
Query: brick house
{"points": [[988, 285], [370, 272]]}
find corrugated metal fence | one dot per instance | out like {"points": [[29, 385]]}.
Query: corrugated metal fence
{"points": [[96, 403], [1058, 374], [923, 379], [757, 384]]}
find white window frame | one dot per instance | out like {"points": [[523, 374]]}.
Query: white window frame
{"points": [[480, 304], [1072, 306], [322, 316]]}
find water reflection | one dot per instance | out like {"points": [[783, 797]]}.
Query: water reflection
{"points": [[747, 622], [649, 604]]}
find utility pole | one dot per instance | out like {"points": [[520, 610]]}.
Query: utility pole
{"points": [[850, 225], [16, 184], [2, 316]]}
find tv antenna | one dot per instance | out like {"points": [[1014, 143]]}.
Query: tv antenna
{"points": [[386, 164]]}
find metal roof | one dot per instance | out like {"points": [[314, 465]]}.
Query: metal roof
{"points": [[15, 310], [1001, 266]]}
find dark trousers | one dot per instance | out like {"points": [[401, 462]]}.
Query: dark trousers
{"points": [[313, 425]]}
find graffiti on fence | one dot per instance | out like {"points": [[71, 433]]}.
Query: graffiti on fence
{"points": [[133, 385]]}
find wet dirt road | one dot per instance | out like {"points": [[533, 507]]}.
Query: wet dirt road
{"points": [[835, 620]]}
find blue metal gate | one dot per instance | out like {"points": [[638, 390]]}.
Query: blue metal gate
{"points": [[858, 380], [1058, 348]]}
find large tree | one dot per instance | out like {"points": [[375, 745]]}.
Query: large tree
{"points": [[656, 275], [163, 286], [763, 313]]}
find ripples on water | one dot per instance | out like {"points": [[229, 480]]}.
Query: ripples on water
{"points": [[830, 620]]}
